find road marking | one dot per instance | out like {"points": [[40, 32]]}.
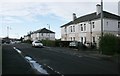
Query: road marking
{"points": [[17, 50]]}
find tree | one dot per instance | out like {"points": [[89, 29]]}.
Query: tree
{"points": [[21, 39]]}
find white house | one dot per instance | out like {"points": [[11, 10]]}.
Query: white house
{"points": [[87, 28], [27, 37], [43, 34]]}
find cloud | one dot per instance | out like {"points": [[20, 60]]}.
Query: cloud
{"points": [[20, 11], [57, 1]]}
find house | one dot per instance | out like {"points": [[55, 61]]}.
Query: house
{"points": [[87, 28], [27, 37], [41, 34]]}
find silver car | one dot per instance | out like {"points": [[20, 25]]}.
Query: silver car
{"points": [[37, 44]]}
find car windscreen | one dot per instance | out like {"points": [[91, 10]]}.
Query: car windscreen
{"points": [[37, 42]]}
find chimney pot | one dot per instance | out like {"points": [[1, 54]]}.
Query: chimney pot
{"points": [[74, 16], [98, 9]]}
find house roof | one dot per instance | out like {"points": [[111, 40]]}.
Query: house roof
{"points": [[44, 30], [93, 16]]}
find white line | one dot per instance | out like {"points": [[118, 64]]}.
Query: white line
{"points": [[17, 50]]}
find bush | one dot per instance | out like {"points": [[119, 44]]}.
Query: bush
{"points": [[48, 42], [27, 41], [108, 44]]}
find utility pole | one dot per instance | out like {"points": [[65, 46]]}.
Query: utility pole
{"points": [[101, 21], [8, 31]]}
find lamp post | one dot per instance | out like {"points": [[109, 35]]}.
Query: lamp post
{"points": [[8, 28], [8, 31], [101, 22]]}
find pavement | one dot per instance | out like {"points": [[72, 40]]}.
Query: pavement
{"points": [[89, 53], [13, 63]]}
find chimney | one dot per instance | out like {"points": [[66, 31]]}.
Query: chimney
{"points": [[98, 9], [74, 16]]}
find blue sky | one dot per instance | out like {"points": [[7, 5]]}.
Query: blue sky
{"points": [[23, 16]]}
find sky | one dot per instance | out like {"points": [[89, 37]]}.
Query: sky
{"points": [[23, 16]]}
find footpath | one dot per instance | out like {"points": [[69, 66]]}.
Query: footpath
{"points": [[88, 53]]}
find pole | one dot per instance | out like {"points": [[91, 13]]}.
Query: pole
{"points": [[8, 31], [49, 32], [101, 21]]}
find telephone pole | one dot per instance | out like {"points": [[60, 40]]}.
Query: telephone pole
{"points": [[101, 22], [8, 31]]}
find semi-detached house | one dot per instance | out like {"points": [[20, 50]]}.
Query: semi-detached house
{"points": [[87, 28], [41, 34]]}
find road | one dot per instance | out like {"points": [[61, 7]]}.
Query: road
{"points": [[64, 63]]}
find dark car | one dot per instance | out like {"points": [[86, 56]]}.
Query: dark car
{"points": [[76, 44]]}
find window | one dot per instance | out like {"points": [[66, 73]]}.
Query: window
{"points": [[65, 38], [85, 40], [74, 38], [82, 39], [107, 23], [65, 29], [42, 34], [71, 38], [93, 39], [81, 27], [84, 27], [93, 24], [73, 28], [118, 24]]}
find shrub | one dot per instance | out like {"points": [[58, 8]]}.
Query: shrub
{"points": [[48, 42], [27, 41], [108, 44]]}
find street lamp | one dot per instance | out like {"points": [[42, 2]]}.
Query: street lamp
{"points": [[101, 22], [8, 28]]}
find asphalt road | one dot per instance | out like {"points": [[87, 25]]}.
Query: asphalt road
{"points": [[64, 63], [13, 62]]}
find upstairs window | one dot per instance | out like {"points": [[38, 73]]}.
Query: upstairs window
{"points": [[73, 28], [93, 24], [65, 29], [107, 23], [41, 34], [81, 27], [84, 27]]}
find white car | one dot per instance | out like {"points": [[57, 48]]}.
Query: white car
{"points": [[37, 44]]}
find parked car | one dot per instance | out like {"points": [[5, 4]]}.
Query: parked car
{"points": [[37, 44], [76, 44]]}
